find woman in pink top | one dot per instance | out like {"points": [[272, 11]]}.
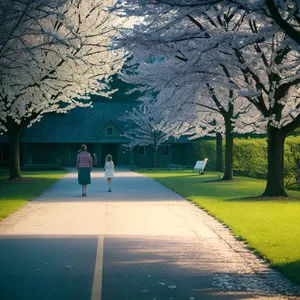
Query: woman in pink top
{"points": [[84, 167]]}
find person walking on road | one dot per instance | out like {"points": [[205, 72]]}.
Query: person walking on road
{"points": [[84, 166], [109, 170]]}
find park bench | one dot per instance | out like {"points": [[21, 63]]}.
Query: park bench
{"points": [[200, 166]]}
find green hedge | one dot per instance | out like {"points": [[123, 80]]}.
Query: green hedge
{"points": [[292, 161], [250, 157], [207, 148]]}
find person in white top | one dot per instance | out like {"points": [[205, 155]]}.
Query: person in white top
{"points": [[109, 168]]}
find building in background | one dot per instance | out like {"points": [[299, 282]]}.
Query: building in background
{"points": [[57, 138]]}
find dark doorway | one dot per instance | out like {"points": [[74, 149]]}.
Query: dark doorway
{"points": [[111, 149]]}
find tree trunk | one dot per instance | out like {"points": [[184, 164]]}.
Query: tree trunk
{"points": [[275, 178], [14, 131], [228, 173], [219, 152], [155, 158]]}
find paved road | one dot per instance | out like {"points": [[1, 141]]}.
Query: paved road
{"points": [[140, 242]]}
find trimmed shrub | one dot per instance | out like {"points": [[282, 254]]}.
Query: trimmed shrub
{"points": [[250, 157], [292, 161], [206, 148]]}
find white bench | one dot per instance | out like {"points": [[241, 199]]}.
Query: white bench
{"points": [[200, 166]]}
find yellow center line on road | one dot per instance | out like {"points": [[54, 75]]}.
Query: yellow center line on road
{"points": [[97, 280]]}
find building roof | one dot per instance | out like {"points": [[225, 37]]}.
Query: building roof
{"points": [[80, 125]]}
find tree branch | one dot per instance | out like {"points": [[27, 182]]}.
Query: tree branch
{"points": [[283, 24]]}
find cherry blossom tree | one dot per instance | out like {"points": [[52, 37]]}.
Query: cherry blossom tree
{"points": [[272, 70], [16, 14], [262, 63], [52, 57], [210, 109], [149, 125], [284, 13], [206, 88]]}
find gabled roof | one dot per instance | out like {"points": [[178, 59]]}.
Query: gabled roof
{"points": [[109, 121], [78, 125]]}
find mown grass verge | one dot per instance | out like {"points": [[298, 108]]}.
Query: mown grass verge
{"points": [[15, 193]]}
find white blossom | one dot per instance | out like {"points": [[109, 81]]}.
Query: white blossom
{"points": [[180, 50], [55, 57], [149, 125]]}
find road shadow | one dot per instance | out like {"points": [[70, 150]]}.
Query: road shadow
{"points": [[143, 268]]}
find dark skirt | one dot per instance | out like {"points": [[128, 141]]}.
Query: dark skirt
{"points": [[84, 176]]}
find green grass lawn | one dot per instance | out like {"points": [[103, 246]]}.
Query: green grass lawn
{"points": [[15, 193], [271, 227]]}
